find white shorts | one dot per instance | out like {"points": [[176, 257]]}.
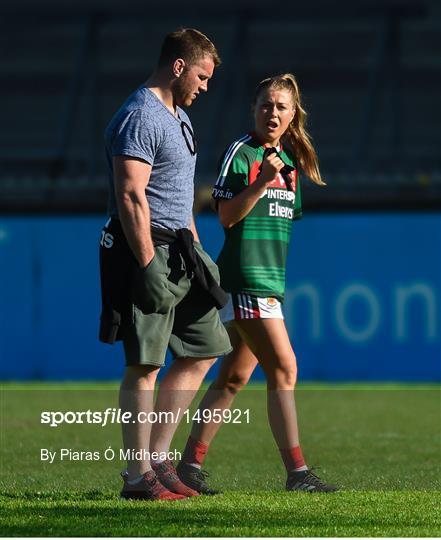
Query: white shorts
{"points": [[245, 306]]}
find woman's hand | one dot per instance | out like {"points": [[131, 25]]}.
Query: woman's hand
{"points": [[234, 210], [271, 166]]}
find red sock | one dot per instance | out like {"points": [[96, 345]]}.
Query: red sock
{"points": [[194, 451], [292, 458]]}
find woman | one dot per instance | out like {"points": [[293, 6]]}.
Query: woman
{"points": [[258, 196]]}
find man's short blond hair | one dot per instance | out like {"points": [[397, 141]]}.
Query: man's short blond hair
{"points": [[188, 44]]}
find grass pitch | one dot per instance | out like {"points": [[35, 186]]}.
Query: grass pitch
{"points": [[380, 443]]}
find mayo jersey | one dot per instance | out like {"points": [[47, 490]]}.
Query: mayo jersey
{"points": [[253, 257]]}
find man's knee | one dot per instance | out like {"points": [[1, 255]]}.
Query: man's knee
{"points": [[195, 365], [209, 361], [140, 374]]}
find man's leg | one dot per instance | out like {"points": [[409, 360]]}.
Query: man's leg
{"points": [[198, 337], [176, 392], [136, 396]]}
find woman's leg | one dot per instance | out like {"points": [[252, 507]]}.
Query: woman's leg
{"points": [[235, 371], [269, 341]]}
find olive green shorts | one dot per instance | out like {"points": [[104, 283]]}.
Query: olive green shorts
{"points": [[185, 318]]}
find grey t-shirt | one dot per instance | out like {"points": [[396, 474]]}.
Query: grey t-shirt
{"points": [[144, 128]]}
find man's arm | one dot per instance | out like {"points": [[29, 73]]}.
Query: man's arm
{"points": [[131, 178], [193, 230]]}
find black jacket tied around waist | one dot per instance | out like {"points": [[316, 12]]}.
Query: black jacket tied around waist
{"points": [[117, 267]]}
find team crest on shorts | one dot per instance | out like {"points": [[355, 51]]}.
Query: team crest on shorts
{"points": [[245, 306]]}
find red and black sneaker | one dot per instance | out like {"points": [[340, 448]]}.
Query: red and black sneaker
{"points": [[169, 478], [148, 488]]}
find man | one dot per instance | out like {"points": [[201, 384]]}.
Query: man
{"points": [[158, 288]]}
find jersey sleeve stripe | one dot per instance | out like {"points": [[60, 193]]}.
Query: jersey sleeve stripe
{"points": [[226, 162], [226, 157], [229, 158], [232, 147]]}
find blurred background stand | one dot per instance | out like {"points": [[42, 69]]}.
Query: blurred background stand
{"points": [[370, 72]]}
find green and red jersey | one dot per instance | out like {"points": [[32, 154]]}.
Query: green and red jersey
{"points": [[253, 258]]}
